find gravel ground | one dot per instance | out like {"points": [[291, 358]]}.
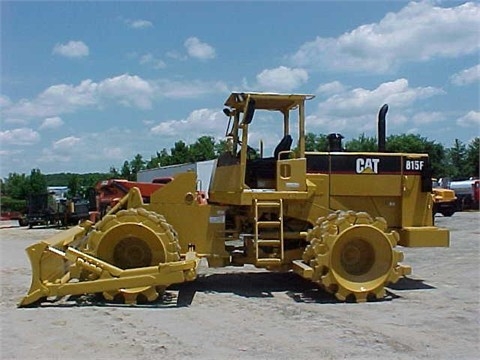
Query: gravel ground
{"points": [[248, 313]]}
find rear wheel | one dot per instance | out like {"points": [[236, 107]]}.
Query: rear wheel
{"points": [[134, 238], [353, 256]]}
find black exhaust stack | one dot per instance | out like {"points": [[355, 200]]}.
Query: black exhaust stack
{"points": [[382, 127], [335, 142]]}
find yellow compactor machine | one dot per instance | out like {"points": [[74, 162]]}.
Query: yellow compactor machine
{"points": [[336, 218]]}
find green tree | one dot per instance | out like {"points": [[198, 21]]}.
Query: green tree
{"points": [[164, 158], [310, 141], [362, 144], [91, 179], [472, 158], [203, 149], [9, 204], [410, 143], [114, 172], [125, 173], [154, 162], [315, 142], [73, 185], [37, 183], [456, 160], [180, 153], [16, 186], [161, 158], [220, 147], [136, 165]]}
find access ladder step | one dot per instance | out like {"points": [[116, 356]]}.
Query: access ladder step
{"points": [[274, 240], [269, 242], [268, 261], [268, 204], [272, 223]]}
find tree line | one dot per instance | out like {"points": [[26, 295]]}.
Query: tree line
{"points": [[461, 161], [204, 148]]}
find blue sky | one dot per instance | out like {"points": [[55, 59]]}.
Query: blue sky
{"points": [[87, 85]]}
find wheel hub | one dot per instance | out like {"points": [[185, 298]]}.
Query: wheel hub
{"points": [[357, 257], [132, 252]]}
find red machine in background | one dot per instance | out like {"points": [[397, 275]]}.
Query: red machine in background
{"points": [[109, 192]]}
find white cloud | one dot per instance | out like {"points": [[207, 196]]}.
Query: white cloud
{"points": [[170, 127], [49, 156], [15, 121], [397, 119], [471, 119], [52, 123], [422, 118], [149, 59], [397, 93], [189, 89], [205, 121], [75, 152], [55, 100], [72, 49], [413, 131], [418, 32], [128, 90], [355, 110], [173, 54], [114, 153], [66, 144], [5, 101], [467, 76], [199, 50], [331, 88], [21, 136], [138, 24], [281, 79], [9, 152]]}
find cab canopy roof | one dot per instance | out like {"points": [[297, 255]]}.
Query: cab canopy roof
{"points": [[267, 101]]}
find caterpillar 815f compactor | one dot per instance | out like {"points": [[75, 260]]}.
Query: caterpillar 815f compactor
{"points": [[336, 218]]}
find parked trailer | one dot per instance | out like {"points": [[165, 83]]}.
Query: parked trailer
{"points": [[203, 169], [467, 192]]}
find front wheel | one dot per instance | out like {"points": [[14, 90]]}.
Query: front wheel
{"points": [[134, 238]]}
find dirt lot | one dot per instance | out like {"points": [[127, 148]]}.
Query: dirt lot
{"points": [[246, 313]]}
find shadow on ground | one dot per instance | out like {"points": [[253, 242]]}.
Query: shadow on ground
{"points": [[244, 284], [410, 284], [254, 285]]}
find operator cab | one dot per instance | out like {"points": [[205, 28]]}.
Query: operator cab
{"points": [[243, 169]]}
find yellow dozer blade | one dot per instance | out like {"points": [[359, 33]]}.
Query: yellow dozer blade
{"points": [[130, 253], [48, 280]]}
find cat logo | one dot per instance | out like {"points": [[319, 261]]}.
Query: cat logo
{"points": [[367, 166]]}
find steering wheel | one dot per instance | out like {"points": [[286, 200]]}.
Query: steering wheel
{"points": [[251, 152]]}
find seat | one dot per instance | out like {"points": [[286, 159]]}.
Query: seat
{"points": [[283, 145]]}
